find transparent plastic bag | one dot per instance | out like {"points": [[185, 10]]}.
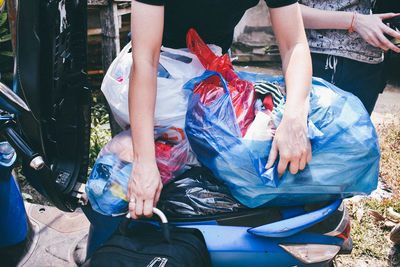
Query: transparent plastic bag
{"points": [[345, 148], [107, 184]]}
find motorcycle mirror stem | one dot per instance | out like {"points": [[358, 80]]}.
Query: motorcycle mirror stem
{"points": [[12, 103]]}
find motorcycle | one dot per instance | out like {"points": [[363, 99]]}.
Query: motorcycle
{"points": [[46, 120]]}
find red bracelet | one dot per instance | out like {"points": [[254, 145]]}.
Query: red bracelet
{"points": [[353, 20]]}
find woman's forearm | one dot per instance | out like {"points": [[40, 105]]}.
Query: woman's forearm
{"points": [[325, 19], [297, 70], [142, 95], [147, 28], [296, 59], [290, 141]]}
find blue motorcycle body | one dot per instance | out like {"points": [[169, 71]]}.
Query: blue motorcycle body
{"points": [[13, 222]]}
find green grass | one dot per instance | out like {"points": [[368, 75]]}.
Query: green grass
{"points": [[100, 127], [389, 140], [371, 237]]}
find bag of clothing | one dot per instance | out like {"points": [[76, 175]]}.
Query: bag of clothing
{"points": [[241, 91], [146, 244], [176, 67], [107, 184], [197, 193], [345, 149]]}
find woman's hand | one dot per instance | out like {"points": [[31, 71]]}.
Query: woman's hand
{"points": [[372, 30], [292, 145], [145, 185], [290, 141], [144, 189]]}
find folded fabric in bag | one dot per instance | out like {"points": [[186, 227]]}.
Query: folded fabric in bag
{"points": [[345, 160]]}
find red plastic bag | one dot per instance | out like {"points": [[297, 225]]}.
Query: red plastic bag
{"points": [[242, 92], [172, 150]]}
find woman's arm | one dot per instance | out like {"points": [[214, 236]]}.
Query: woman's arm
{"points": [[370, 27], [291, 141], [145, 185]]}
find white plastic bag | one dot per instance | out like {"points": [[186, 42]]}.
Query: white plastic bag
{"points": [[171, 101]]}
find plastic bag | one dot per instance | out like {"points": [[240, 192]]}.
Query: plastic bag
{"points": [[107, 184], [197, 193], [241, 91], [176, 67], [345, 148]]}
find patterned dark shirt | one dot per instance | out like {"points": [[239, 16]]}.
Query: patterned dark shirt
{"points": [[339, 42]]}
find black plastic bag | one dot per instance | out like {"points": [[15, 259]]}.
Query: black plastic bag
{"points": [[197, 193]]}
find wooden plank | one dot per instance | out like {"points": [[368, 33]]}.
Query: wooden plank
{"points": [[95, 72], [96, 31], [97, 2], [104, 2], [110, 34], [124, 11], [110, 46]]}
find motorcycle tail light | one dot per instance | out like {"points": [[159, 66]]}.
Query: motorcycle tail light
{"points": [[346, 232], [342, 230], [311, 253]]}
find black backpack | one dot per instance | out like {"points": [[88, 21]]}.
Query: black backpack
{"points": [[146, 244]]}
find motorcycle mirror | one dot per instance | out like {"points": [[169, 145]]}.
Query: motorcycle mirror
{"points": [[10, 101]]}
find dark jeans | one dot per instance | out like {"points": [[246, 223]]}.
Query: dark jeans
{"points": [[364, 80]]}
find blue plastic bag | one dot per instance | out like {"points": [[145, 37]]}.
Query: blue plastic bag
{"points": [[107, 185], [345, 149]]}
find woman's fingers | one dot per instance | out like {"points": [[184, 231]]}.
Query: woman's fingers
{"points": [[132, 208], [272, 155], [391, 32], [132, 199], [385, 44], [309, 152], [148, 208], [139, 208], [282, 165], [294, 165], [387, 15], [158, 193], [303, 161]]}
